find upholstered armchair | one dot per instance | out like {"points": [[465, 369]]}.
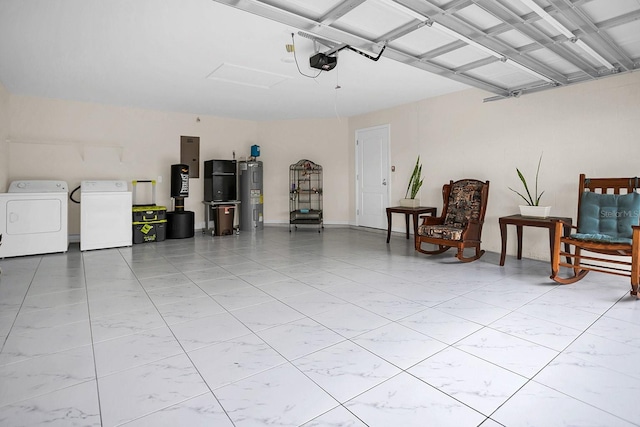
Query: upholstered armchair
{"points": [[460, 224]]}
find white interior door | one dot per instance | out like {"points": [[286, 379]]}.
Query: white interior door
{"points": [[372, 176]]}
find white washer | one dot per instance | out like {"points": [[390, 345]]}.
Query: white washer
{"points": [[105, 215], [34, 218]]}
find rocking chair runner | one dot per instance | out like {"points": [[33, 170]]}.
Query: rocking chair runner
{"points": [[460, 225], [608, 218]]}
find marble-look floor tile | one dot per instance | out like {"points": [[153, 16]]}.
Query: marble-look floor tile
{"points": [[54, 299], [390, 306], [472, 310], [131, 394], [127, 323], [517, 355], [313, 302], [175, 293], [281, 396], [399, 345], [208, 330], [616, 330], [299, 338], [350, 320], [72, 406], [230, 361], [345, 370], [262, 277], [536, 405], [143, 272], [308, 318], [165, 281], [119, 304], [27, 343], [539, 331], [242, 297], [286, 288], [481, 385], [566, 316], [201, 411], [267, 315], [42, 375], [126, 352], [440, 325], [338, 417], [44, 319], [607, 353], [222, 285], [198, 276], [406, 401], [189, 309]]}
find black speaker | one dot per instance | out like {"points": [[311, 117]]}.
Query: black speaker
{"points": [[179, 180]]}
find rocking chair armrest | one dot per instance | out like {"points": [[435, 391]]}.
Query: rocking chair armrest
{"points": [[432, 220], [565, 223], [472, 230]]}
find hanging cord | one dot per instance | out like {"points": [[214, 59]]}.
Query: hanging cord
{"points": [[295, 58], [72, 193]]}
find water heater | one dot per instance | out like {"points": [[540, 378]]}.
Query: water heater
{"points": [[251, 197]]}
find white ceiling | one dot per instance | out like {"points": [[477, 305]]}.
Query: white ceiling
{"points": [[224, 58]]}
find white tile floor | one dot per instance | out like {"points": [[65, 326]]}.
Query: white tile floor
{"points": [[316, 329]]}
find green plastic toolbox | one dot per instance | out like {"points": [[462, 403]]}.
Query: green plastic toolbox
{"points": [[149, 220]]}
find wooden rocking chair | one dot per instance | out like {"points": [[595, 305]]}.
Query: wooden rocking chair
{"points": [[460, 224], [608, 224]]}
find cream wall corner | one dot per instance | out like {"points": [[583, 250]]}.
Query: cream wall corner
{"points": [[323, 141], [75, 141], [587, 128], [4, 134]]}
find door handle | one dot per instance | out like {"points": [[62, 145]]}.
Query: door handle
{"points": [[384, 181]]}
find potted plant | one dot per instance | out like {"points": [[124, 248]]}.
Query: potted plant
{"points": [[532, 207], [415, 182]]}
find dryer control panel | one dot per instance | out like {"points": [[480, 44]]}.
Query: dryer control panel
{"points": [[107, 186], [38, 186]]}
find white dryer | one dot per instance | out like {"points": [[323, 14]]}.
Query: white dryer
{"points": [[105, 215], [34, 218]]}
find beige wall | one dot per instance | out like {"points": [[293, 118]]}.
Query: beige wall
{"points": [[588, 128], [73, 141], [4, 134], [325, 142]]}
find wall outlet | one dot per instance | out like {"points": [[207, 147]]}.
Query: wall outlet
{"points": [[159, 180]]}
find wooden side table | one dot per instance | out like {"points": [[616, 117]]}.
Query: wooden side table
{"points": [[408, 212], [522, 221]]}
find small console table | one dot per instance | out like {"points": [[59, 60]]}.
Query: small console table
{"points": [[523, 221], [408, 212]]}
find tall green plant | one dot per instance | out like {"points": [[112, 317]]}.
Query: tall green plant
{"points": [[530, 200], [415, 182]]}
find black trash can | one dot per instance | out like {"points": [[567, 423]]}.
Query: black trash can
{"points": [[224, 215]]}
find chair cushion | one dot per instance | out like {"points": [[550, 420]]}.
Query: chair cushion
{"points": [[465, 200], [608, 217], [441, 232]]}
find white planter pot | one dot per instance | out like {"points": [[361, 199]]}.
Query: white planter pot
{"points": [[535, 211], [410, 203]]}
